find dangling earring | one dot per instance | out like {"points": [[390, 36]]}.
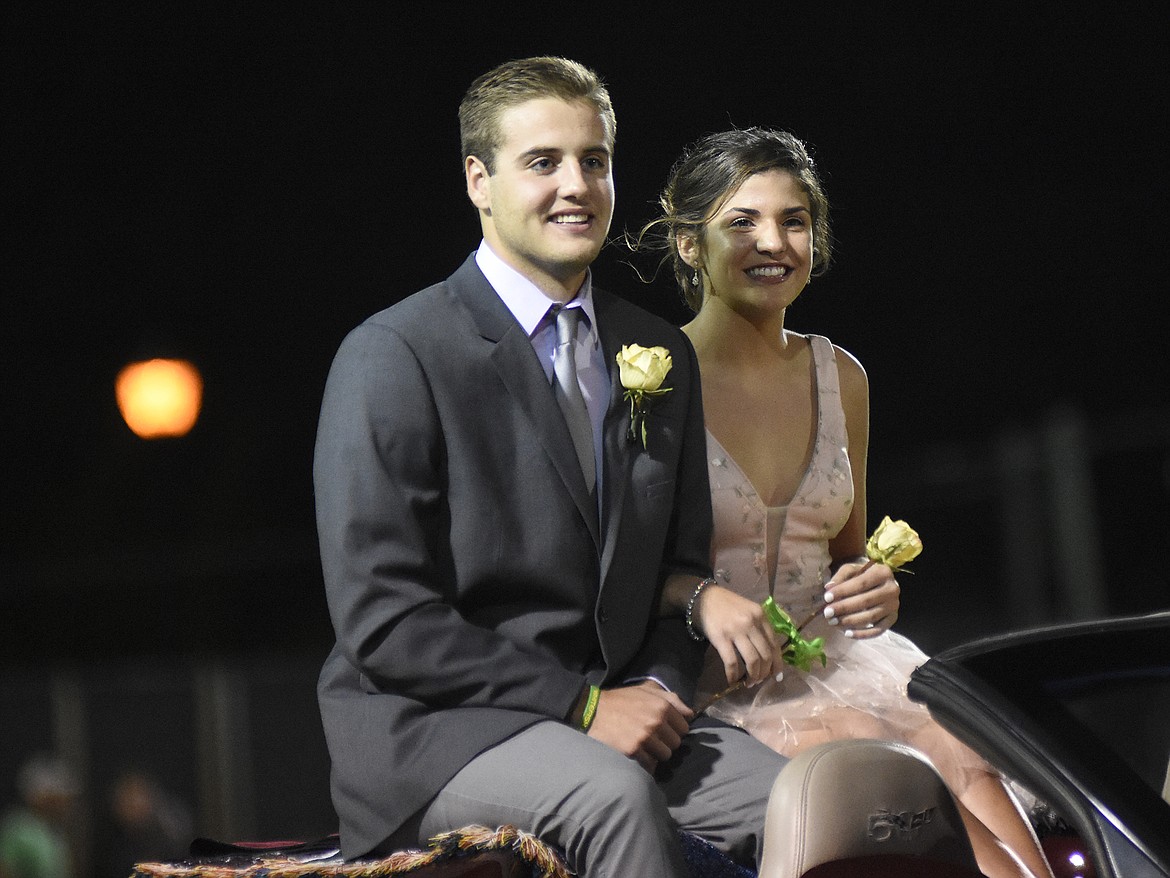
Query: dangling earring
{"points": [[695, 278]]}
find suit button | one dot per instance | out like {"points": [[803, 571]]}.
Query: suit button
{"points": [[602, 616]]}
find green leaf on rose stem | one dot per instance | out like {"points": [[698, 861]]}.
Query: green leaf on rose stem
{"points": [[780, 620], [798, 652], [802, 653]]}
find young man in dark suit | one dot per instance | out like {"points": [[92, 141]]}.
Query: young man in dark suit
{"points": [[495, 533]]}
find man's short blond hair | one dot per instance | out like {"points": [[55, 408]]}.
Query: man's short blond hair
{"points": [[515, 82]]}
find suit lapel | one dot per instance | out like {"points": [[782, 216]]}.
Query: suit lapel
{"points": [[518, 367], [617, 459]]}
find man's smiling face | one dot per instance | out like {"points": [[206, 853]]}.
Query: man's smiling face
{"points": [[547, 208]]}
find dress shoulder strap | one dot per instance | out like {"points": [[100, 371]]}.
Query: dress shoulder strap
{"points": [[831, 414]]}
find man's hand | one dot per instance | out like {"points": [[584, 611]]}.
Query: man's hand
{"points": [[644, 722]]}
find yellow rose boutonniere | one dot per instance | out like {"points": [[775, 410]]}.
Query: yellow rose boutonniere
{"points": [[894, 544], [642, 372]]}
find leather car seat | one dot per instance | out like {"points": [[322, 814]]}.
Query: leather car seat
{"points": [[863, 807]]}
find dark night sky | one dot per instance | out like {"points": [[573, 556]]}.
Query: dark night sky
{"points": [[241, 183]]}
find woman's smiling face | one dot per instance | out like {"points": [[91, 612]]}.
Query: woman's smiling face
{"points": [[757, 248]]}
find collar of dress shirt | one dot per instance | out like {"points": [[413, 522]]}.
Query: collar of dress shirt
{"points": [[523, 298]]}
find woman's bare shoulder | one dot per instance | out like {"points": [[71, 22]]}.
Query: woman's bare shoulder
{"points": [[852, 378]]}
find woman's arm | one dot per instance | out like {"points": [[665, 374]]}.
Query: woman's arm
{"points": [[748, 646], [863, 599]]}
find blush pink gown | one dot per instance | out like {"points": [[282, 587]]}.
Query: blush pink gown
{"points": [[784, 552]]}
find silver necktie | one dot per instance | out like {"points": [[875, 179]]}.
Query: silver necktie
{"points": [[568, 391]]}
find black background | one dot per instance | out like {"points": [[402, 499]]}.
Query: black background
{"points": [[241, 183]]}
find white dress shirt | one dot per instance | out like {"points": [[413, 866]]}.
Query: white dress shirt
{"points": [[531, 307]]}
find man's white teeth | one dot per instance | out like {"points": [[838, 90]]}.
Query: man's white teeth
{"points": [[769, 271], [571, 218]]}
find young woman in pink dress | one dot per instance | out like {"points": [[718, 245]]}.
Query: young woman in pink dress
{"points": [[745, 225]]}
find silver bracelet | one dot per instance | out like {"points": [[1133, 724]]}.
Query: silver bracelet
{"points": [[695, 635]]}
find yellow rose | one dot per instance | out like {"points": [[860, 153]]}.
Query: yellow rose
{"points": [[643, 369], [894, 543], [642, 372]]}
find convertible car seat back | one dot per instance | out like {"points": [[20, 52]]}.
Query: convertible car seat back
{"points": [[863, 807]]}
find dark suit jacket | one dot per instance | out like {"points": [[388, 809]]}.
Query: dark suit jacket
{"points": [[472, 587]]}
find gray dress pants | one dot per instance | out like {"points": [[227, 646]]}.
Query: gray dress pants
{"points": [[609, 817]]}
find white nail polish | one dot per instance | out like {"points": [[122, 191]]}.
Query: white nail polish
{"points": [[849, 632], [836, 622], [828, 597], [829, 613]]}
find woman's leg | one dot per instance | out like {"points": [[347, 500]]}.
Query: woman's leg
{"points": [[1001, 836], [987, 802]]}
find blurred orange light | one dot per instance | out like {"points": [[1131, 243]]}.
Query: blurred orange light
{"points": [[159, 398]]}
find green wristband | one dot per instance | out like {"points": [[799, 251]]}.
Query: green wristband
{"points": [[590, 708]]}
